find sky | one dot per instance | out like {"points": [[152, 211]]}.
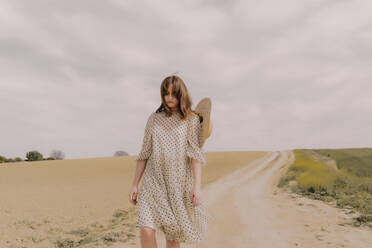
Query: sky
{"points": [[83, 76]]}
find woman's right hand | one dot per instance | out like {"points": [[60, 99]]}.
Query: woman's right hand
{"points": [[133, 195]]}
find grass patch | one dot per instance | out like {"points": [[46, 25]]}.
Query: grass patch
{"points": [[355, 160], [313, 174], [120, 228]]}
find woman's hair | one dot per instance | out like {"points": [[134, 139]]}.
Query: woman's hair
{"points": [[179, 91]]}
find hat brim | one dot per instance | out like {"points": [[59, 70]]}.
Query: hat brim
{"points": [[204, 108]]}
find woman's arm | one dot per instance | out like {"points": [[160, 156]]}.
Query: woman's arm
{"points": [[140, 168], [197, 157], [196, 189], [196, 171], [142, 158]]}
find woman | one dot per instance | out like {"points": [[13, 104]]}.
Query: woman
{"points": [[171, 159]]}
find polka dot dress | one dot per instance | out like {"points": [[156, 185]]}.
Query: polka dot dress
{"points": [[163, 200]]}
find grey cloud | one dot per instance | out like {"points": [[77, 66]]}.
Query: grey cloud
{"points": [[83, 75]]}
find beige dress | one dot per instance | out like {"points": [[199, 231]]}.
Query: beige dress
{"points": [[163, 199]]}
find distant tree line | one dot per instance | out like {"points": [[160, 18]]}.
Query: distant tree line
{"points": [[54, 155], [120, 153], [35, 156]]}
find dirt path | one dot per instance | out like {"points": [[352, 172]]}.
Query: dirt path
{"points": [[248, 210], [244, 196]]}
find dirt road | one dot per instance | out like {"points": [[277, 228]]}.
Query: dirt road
{"points": [[248, 210]]}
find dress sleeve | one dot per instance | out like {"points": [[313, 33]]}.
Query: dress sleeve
{"points": [[194, 149], [146, 149]]}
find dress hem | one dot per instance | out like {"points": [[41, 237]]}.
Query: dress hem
{"points": [[156, 228]]}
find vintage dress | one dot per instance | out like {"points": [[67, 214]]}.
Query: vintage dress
{"points": [[163, 199]]}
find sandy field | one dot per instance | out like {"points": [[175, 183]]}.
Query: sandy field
{"points": [[84, 203], [54, 203]]}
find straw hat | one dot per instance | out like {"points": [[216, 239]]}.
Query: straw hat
{"points": [[203, 108]]}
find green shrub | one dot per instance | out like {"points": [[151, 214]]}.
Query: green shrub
{"points": [[315, 177], [34, 156]]}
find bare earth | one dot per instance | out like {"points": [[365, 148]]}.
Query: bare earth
{"points": [[258, 214], [248, 210], [39, 204]]}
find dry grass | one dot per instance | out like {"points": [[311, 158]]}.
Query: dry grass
{"points": [[81, 202], [312, 175]]}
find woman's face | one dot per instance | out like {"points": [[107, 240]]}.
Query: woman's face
{"points": [[170, 99]]}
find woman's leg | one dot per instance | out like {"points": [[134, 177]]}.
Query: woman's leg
{"points": [[148, 237], [173, 244]]}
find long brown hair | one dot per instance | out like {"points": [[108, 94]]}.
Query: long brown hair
{"points": [[180, 91]]}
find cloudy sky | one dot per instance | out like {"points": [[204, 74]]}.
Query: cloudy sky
{"points": [[83, 76]]}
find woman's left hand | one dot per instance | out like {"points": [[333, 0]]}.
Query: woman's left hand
{"points": [[195, 196]]}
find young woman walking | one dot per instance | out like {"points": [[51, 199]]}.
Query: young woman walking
{"points": [[171, 161]]}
